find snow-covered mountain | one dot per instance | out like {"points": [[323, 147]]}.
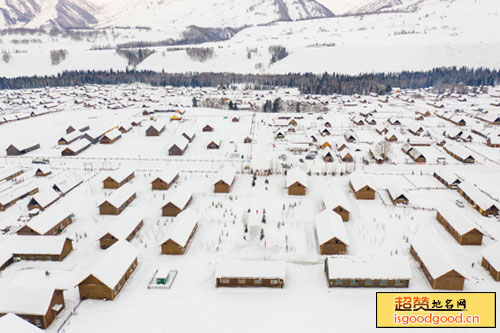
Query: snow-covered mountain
{"points": [[352, 7], [155, 13], [49, 13]]}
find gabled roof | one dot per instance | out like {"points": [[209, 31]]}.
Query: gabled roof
{"points": [[168, 175], [119, 175], [455, 218], [25, 300], [120, 196], [180, 197], [448, 177], [127, 224], [184, 225], [78, 145], [227, 175], [13, 323], [482, 200], [434, 258], [360, 180], [375, 268], [113, 134], [181, 142], [296, 175], [45, 197], [332, 198], [459, 150], [66, 182], [116, 261], [396, 191], [71, 136], [492, 254], [329, 225], [47, 245], [45, 221]]}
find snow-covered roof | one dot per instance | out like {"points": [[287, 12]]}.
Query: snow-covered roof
{"points": [[48, 219], [296, 175], [416, 153], [455, 218], [78, 145], [120, 175], [180, 197], [181, 142], [396, 191], [47, 245], [71, 136], [251, 269], [458, 150], [448, 177], [375, 268], [185, 222], [188, 131], [226, 174], [113, 134], [433, 257], [168, 175], [41, 168], [157, 125], [359, 180], [123, 228], [17, 192], [492, 254], [13, 323], [45, 197], [120, 196], [332, 198], [25, 300], [5, 255], [66, 182], [482, 200], [116, 261], [329, 225], [9, 171]]}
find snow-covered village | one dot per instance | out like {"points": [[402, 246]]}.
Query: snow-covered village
{"points": [[249, 165]]}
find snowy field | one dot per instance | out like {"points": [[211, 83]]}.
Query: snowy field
{"points": [[376, 227]]}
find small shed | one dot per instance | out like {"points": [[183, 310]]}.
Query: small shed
{"points": [[155, 129], [214, 144], [207, 128]]}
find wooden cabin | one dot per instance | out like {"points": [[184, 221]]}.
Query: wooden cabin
{"points": [[345, 155], [214, 144], [111, 137], [178, 201], [181, 233], [125, 128], [188, 133], [270, 274], [69, 138], [80, 128], [9, 198], [328, 156], [447, 178], [296, 182], [9, 173], [43, 171], [43, 199], [458, 225], [51, 222], [207, 128], [439, 270], [36, 305], [39, 248], [125, 229], [335, 201], [118, 178], [118, 201], [459, 153], [361, 186], [21, 149], [397, 194], [13, 323], [480, 201], [247, 140], [225, 180], [76, 148], [165, 180], [368, 272], [178, 148], [491, 260], [110, 275], [155, 129], [331, 234]]}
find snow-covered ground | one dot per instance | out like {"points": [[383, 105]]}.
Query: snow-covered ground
{"points": [[194, 303]]}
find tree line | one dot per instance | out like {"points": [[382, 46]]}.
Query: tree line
{"points": [[307, 83]]}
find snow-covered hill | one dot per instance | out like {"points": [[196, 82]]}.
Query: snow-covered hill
{"points": [[155, 13]]}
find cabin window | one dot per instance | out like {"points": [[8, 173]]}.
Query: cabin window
{"points": [[242, 281], [39, 258], [340, 282], [48, 258], [274, 281], [258, 281], [383, 282], [32, 257], [399, 282], [23, 258], [354, 282], [38, 322], [225, 281], [369, 282]]}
